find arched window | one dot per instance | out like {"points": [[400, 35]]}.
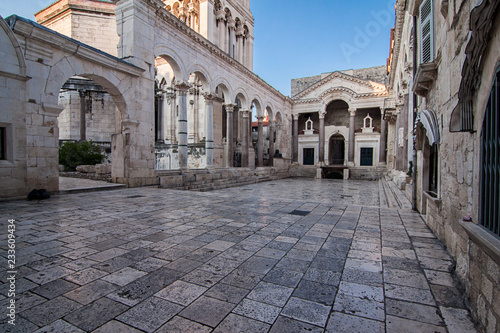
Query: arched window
{"points": [[489, 207]]}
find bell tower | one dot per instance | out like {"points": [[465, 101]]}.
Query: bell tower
{"points": [[226, 23]]}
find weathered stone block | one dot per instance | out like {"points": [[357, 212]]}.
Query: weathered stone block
{"points": [[86, 168], [102, 169]]}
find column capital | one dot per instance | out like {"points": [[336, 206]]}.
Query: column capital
{"points": [[231, 23], [209, 98], [352, 111], [220, 15], [322, 114], [295, 116], [229, 107], [245, 113], [260, 119], [239, 30], [182, 88]]}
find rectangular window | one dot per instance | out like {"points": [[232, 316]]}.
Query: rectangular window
{"points": [[366, 157], [433, 169], [489, 205], [427, 31], [3, 143]]}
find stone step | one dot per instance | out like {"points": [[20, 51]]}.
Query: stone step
{"points": [[216, 183]]}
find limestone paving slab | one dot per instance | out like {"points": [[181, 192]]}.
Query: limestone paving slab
{"points": [[157, 260]]}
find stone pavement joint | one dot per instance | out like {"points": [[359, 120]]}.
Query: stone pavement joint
{"points": [[282, 256]]}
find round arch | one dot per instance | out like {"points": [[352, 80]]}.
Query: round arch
{"points": [[243, 96], [345, 94], [221, 83], [258, 106], [16, 48], [202, 73], [62, 71], [173, 59]]}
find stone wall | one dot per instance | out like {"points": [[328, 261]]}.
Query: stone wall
{"points": [[89, 21], [300, 84], [100, 116], [473, 247], [377, 74], [13, 165]]}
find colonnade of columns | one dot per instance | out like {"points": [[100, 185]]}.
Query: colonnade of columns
{"points": [[182, 131], [246, 131], [232, 38], [321, 143]]}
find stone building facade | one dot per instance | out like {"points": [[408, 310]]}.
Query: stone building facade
{"points": [[169, 89], [444, 72], [339, 130]]}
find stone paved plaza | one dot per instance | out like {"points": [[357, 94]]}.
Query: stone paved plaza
{"points": [[283, 256]]}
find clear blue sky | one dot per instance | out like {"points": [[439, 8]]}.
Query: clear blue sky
{"points": [[298, 38]]}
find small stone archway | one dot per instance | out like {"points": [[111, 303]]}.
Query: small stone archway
{"points": [[101, 108], [120, 85]]}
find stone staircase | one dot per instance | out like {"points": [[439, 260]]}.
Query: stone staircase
{"points": [[367, 173], [208, 180], [391, 195]]}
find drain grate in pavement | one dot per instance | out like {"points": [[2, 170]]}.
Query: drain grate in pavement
{"points": [[300, 212]]}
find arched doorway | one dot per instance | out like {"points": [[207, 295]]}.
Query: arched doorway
{"points": [[337, 150]]}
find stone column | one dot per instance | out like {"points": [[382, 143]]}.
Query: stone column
{"points": [[229, 135], [321, 150], [231, 26], [296, 138], [221, 18], [352, 111], [182, 90], [173, 118], [272, 126], [260, 142], [83, 109], [239, 44], [245, 139], [209, 129], [159, 116], [383, 141]]}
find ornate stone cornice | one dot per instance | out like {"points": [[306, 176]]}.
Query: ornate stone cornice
{"points": [[342, 90], [398, 32], [378, 87]]}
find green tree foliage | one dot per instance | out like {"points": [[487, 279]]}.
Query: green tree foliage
{"points": [[73, 154]]}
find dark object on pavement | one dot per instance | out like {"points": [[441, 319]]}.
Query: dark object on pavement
{"points": [[38, 194]]}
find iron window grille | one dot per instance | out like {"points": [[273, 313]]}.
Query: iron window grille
{"points": [[489, 209]]}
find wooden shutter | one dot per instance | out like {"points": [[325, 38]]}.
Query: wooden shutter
{"points": [[427, 31]]}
